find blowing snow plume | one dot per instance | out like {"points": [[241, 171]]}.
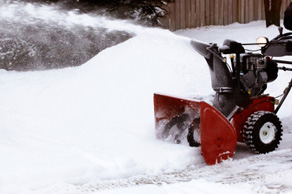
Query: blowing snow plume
{"points": [[37, 37]]}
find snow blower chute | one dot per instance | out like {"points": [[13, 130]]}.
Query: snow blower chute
{"points": [[240, 111]]}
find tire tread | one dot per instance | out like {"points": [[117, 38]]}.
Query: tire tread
{"points": [[248, 133]]}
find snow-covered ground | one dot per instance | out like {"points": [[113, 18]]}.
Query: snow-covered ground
{"points": [[90, 129]]}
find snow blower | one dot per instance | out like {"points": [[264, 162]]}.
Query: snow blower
{"points": [[240, 111]]}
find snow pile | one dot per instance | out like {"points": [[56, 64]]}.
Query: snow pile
{"points": [[96, 122]]}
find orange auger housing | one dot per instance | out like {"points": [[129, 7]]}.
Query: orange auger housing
{"points": [[218, 137]]}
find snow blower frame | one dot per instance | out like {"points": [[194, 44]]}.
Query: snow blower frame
{"points": [[240, 112]]}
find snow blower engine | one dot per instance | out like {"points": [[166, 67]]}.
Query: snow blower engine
{"points": [[240, 111]]}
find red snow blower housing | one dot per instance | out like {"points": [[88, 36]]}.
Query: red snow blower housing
{"points": [[240, 111]]}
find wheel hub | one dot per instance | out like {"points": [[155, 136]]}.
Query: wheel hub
{"points": [[267, 132]]}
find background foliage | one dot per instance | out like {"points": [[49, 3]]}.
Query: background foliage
{"points": [[145, 11]]}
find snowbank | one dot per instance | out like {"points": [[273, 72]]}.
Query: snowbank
{"points": [[96, 121]]}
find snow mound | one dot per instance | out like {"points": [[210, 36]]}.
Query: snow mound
{"points": [[96, 121]]}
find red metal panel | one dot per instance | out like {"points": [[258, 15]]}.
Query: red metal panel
{"points": [[167, 107], [218, 136], [264, 103]]}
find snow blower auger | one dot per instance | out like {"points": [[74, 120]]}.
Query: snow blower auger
{"points": [[240, 111]]}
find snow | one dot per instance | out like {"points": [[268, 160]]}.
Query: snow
{"points": [[90, 129]]}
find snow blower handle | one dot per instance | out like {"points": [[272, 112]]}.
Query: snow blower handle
{"points": [[284, 62], [285, 94]]}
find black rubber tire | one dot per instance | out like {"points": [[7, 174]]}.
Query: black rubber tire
{"points": [[262, 132], [195, 125]]}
